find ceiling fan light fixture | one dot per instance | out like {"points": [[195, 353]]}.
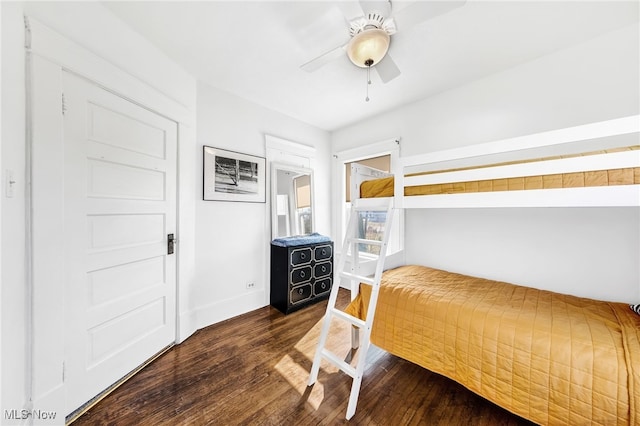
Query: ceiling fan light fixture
{"points": [[368, 47]]}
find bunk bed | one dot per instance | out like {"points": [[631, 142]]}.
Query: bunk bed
{"points": [[548, 357]]}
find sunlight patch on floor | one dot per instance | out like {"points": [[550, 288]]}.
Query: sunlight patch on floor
{"points": [[297, 377], [338, 341]]}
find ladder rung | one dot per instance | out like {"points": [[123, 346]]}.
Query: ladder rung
{"points": [[370, 260], [372, 204], [362, 279], [333, 358], [364, 268], [349, 318], [363, 241], [370, 209]]}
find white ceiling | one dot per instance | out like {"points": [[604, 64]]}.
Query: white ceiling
{"points": [[254, 49]]}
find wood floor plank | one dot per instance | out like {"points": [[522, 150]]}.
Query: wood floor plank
{"points": [[253, 370]]}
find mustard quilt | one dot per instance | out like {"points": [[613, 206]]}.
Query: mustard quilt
{"points": [[548, 357]]}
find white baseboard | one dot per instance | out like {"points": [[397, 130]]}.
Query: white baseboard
{"points": [[187, 325], [229, 308]]}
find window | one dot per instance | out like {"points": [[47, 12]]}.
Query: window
{"points": [[302, 190], [371, 227], [370, 224], [380, 156], [382, 163]]}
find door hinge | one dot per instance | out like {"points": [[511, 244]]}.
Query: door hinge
{"points": [[64, 105], [63, 370]]}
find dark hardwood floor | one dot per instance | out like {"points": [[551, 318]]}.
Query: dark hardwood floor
{"points": [[253, 369]]}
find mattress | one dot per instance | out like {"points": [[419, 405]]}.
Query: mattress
{"points": [[548, 357]]}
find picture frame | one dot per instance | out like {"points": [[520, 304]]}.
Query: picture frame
{"points": [[233, 176]]}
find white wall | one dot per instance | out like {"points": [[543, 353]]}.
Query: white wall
{"points": [[233, 238], [584, 251], [13, 296], [561, 249], [100, 32]]}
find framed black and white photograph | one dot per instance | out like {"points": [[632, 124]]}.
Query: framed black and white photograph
{"points": [[233, 176]]}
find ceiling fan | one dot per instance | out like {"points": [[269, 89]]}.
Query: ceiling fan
{"points": [[370, 34]]}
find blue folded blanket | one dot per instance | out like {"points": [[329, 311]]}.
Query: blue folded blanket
{"points": [[301, 240]]}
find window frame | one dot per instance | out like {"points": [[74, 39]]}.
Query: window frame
{"points": [[341, 208]]}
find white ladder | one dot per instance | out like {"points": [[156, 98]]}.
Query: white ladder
{"points": [[351, 244]]}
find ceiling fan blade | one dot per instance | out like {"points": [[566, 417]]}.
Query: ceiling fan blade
{"points": [[350, 10], [322, 60], [381, 6], [387, 69], [421, 11]]}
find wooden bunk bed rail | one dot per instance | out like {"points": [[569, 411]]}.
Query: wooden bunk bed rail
{"points": [[598, 165]]}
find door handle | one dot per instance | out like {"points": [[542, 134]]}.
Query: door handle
{"points": [[171, 243]]}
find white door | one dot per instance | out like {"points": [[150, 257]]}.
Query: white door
{"points": [[120, 205]]}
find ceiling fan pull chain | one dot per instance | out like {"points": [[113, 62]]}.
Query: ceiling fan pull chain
{"points": [[368, 63], [368, 83]]}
